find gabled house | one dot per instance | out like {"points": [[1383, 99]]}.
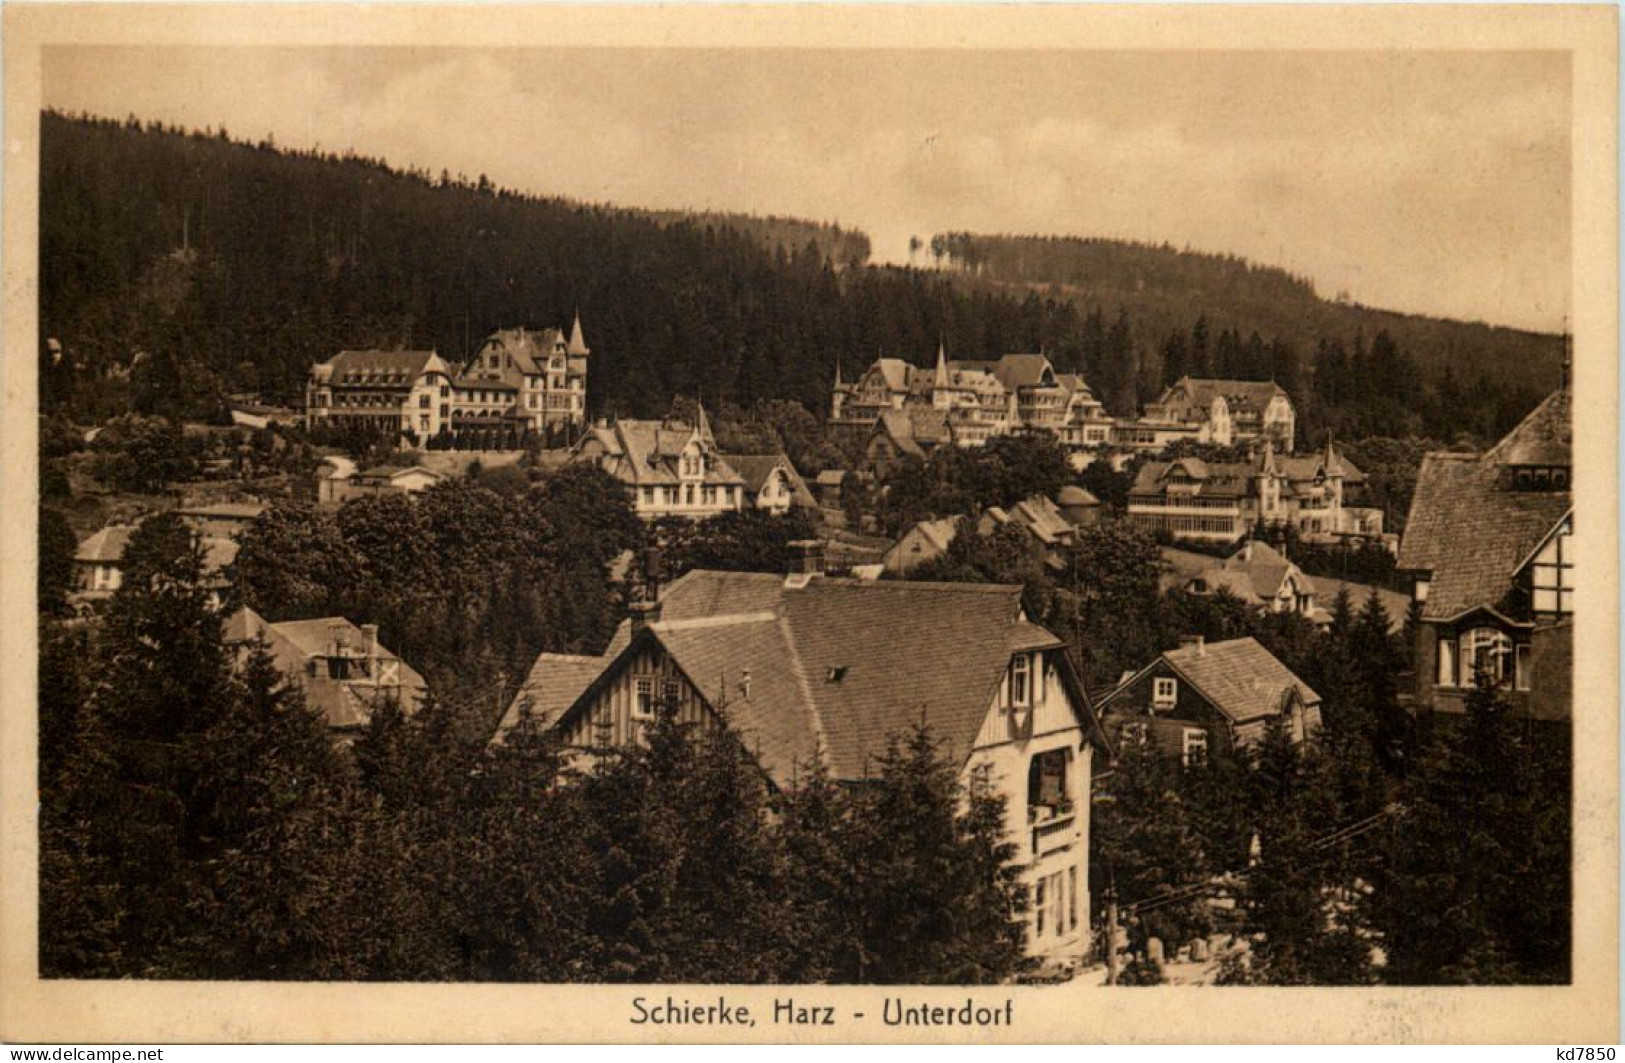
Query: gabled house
{"points": [[1048, 531], [343, 669], [905, 435], [1204, 697], [98, 564], [669, 468], [339, 484], [1229, 411], [1262, 577], [771, 483], [811, 667], [1489, 545], [924, 541]]}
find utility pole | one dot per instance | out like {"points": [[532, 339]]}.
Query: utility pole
{"points": [[1111, 936]]}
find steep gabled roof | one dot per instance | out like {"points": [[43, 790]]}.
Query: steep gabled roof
{"points": [[105, 546], [826, 672], [1470, 532], [1469, 528], [1544, 437], [1022, 370], [896, 372], [1240, 677], [754, 469]]}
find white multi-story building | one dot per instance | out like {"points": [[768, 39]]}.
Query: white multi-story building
{"points": [[521, 380], [669, 468]]}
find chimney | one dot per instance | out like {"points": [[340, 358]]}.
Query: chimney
{"points": [[647, 611], [337, 642], [643, 614], [1197, 641], [369, 641], [806, 557]]}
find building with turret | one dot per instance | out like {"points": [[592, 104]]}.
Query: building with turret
{"points": [[975, 400], [523, 381]]}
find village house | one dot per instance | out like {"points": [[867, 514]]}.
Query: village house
{"points": [[1229, 411], [344, 671], [669, 468], [98, 564], [976, 401], [771, 483], [1260, 576], [923, 541], [224, 520], [1205, 697], [899, 436], [1489, 544], [1190, 498], [808, 666], [339, 482], [1048, 533], [519, 379]]}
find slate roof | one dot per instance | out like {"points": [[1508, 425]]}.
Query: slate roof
{"points": [[648, 452], [1254, 573], [1240, 677], [897, 373], [826, 673], [1038, 515], [292, 643], [754, 469], [1021, 370], [1197, 394], [106, 545], [1545, 437], [377, 368], [1469, 529]]}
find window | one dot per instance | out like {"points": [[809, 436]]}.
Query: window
{"points": [[424, 400], [1447, 662], [643, 704], [671, 692], [1047, 792], [1072, 898], [1487, 651], [1164, 692], [1521, 670], [1552, 575], [1020, 680], [1038, 908], [1195, 746], [688, 495], [648, 496]]}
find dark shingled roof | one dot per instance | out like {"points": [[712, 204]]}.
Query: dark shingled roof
{"points": [[1545, 437], [1469, 529], [1240, 677], [754, 469], [826, 673]]}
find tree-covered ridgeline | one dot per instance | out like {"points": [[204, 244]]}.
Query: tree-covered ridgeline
{"points": [[177, 268]]}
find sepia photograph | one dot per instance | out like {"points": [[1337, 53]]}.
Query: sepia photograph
{"points": [[1030, 519]]}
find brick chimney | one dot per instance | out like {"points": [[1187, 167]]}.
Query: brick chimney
{"points": [[806, 557], [646, 612], [1196, 641]]}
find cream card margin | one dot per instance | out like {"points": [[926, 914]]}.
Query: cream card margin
{"points": [[132, 1012]]}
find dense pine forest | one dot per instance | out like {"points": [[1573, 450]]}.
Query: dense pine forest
{"points": [[179, 267]]}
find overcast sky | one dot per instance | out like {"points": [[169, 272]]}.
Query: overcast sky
{"points": [[1435, 182]]}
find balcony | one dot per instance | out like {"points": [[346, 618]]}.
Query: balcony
{"points": [[1052, 828]]}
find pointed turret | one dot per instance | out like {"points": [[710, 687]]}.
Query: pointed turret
{"points": [[702, 424], [1330, 463], [577, 346], [1268, 467], [942, 366]]}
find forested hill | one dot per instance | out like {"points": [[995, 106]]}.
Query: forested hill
{"points": [[1165, 290], [843, 247], [177, 268]]}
